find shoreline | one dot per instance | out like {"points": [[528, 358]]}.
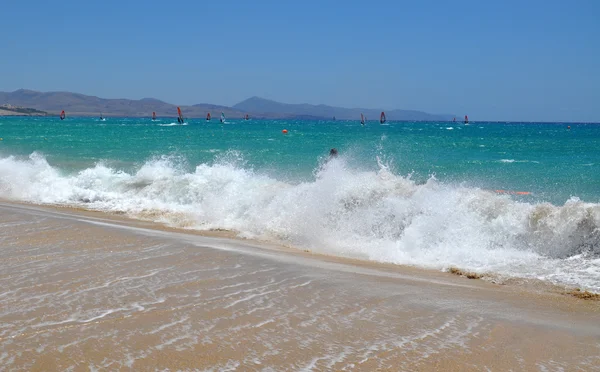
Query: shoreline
{"points": [[6, 113], [86, 290], [452, 274]]}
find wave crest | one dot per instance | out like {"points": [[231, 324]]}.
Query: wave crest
{"points": [[378, 215]]}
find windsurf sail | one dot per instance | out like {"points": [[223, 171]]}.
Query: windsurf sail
{"points": [[454, 120], [153, 115], [62, 115], [362, 119], [180, 116], [208, 117], [246, 117], [466, 119], [222, 117], [382, 118]]}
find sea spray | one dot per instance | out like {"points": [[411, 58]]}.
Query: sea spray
{"points": [[375, 215]]}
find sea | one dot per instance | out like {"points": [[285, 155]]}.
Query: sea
{"points": [[511, 200]]}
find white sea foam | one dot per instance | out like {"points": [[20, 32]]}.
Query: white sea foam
{"points": [[172, 124], [378, 216], [518, 161]]}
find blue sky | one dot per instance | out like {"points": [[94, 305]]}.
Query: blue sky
{"points": [[495, 60]]}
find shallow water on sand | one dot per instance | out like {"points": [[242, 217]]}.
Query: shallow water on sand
{"points": [[86, 293]]}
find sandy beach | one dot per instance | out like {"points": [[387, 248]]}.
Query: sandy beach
{"points": [[86, 291]]}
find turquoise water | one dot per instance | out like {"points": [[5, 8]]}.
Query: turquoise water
{"points": [[546, 159], [414, 193]]}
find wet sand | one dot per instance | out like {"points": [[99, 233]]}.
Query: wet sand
{"points": [[85, 291]]}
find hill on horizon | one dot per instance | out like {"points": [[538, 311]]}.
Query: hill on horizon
{"points": [[260, 105], [83, 105], [10, 110]]}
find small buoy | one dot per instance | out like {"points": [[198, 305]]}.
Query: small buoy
{"points": [[284, 131]]}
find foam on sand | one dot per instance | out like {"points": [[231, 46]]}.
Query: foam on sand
{"points": [[104, 293]]}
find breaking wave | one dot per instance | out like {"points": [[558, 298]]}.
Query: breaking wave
{"points": [[343, 211]]}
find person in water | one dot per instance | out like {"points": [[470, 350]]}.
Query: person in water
{"points": [[333, 153]]}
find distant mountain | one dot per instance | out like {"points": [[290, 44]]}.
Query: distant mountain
{"points": [[259, 105], [76, 104]]}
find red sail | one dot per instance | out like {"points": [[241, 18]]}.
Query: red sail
{"points": [[179, 116], [466, 119], [208, 116], [62, 115], [153, 115], [382, 118]]}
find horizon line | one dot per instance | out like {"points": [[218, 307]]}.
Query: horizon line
{"points": [[221, 105], [284, 103]]}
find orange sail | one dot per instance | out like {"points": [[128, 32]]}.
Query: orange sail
{"points": [[382, 118], [179, 115], [62, 115]]}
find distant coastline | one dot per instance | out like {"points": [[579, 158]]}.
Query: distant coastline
{"points": [[75, 104], [10, 110]]}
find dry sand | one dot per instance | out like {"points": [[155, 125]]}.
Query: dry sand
{"points": [[88, 291]]}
